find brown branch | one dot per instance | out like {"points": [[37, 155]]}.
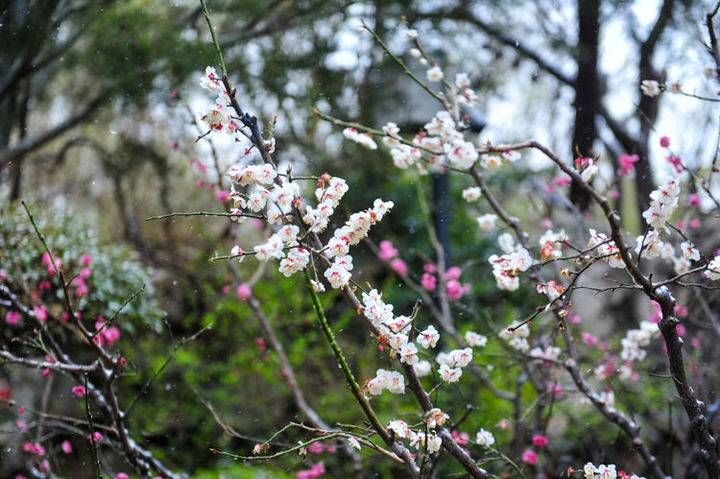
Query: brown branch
{"points": [[41, 139]]}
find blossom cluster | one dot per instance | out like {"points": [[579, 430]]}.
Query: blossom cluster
{"points": [[637, 339], [603, 471]]}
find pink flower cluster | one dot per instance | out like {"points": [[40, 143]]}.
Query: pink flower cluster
{"points": [[34, 448], [454, 288], [320, 447], [389, 254], [316, 470], [13, 317], [47, 262], [105, 335], [627, 163], [530, 456]]}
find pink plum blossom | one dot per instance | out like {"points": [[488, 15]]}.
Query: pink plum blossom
{"points": [[399, 266], [243, 292], [13, 317], [530, 457], [540, 440], [627, 163], [387, 250], [428, 281]]}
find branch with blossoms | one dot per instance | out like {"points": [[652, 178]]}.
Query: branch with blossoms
{"points": [[306, 235], [615, 249], [94, 383]]}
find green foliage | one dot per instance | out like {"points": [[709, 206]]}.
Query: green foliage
{"points": [[132, 43], [116, 273]]}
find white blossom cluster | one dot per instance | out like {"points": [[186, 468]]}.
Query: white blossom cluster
{"points": [[391, 381], [664, 201], [713, 269], [549, 353], [606, 249], [394, 331], [421, 440], [663, 204], [360, 138], [636, 339], [451, 363], [516, 336], [603, 471], [551, 244], [507, 268], [260, 190]]}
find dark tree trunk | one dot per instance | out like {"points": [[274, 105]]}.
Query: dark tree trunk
{"points": [[586, 89]]}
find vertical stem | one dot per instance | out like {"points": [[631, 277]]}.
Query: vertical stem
{"points": [[206, 14], [350, 378]]}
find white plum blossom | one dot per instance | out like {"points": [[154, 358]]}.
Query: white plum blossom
{"points": [[471, 194], [288, 234], [397, 340], [237, 252], [487, 222], [484, 438], [296, 260], [443, 126], [376, 310], [455, 358], [650, 88], [448, 374], [216, 117], [435, 74], [211, 81], [462, 80], [551, 244], [550, 353], [422, 368], [664, 201], [393, 381], [552, 289], [506, 242], [337, 275], [516, 336], [431, 442], [336, 247], [408, 354], [681, 265], [258, 199], [507, 268], [713, 269], [411, 34], [272, 248], [404, 156], [636, 339], [360, 138], [461, 154], [590, 171], [650, 244], [475, 340], [429, 337], [435, 417], [606, 249], [491, 161], [252, 174], [689, 251], [317, 286], [400, 428]]}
